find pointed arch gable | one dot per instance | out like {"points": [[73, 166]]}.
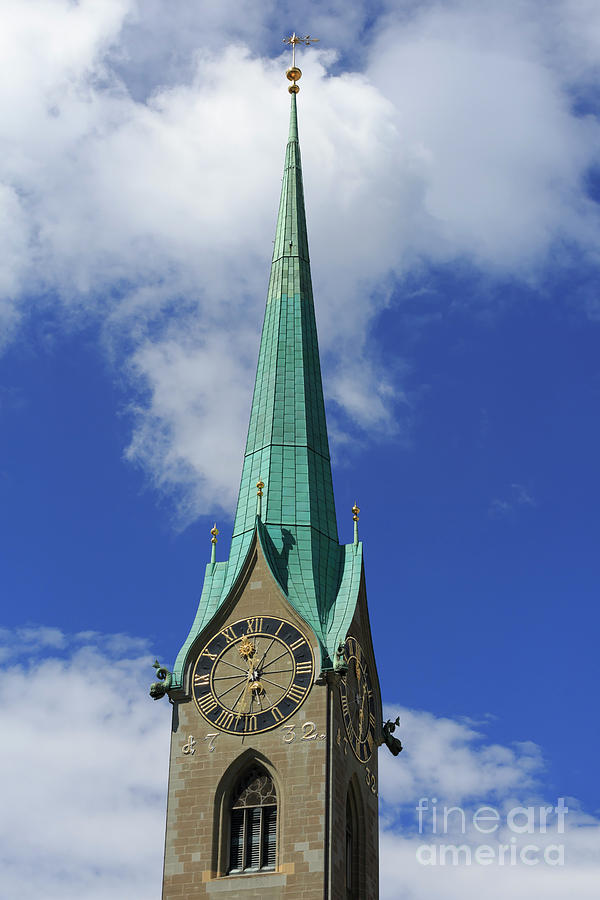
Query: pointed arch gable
{"points": [[256, 554]]}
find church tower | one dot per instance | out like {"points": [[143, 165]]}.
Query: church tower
{"points": [[276, 704]]}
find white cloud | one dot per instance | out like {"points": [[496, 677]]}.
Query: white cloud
{"points": [[84, 807], [451, 764], [140, 172], [191, 432], [446, 758], [498, 149]]}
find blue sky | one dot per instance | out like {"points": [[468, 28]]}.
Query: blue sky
{"points": [[450, 161]]}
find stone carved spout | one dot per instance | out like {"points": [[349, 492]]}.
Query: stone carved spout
{"points": [[392, 743], [159, 688]]}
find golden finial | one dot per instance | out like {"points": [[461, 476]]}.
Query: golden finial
{"points": [[355, 512], [259, 492], [213, 539], [294, 74]]}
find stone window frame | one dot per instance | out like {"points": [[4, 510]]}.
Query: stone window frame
{"points": [[222, 814]]}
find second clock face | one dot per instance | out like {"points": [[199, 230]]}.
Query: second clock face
{"points": [[358, 704], [253, 675]]}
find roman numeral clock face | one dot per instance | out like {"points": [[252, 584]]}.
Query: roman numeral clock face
{"points": [[253, 675], [358, 705]]}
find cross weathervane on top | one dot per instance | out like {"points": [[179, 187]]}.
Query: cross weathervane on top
{"points": [[294, 73], [294, 39]]}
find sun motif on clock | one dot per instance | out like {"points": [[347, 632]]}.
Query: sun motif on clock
{"points": [[252, 675], [358, 704]]}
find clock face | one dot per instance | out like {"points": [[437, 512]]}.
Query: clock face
{"points": [[358, 704], [253, 675]]}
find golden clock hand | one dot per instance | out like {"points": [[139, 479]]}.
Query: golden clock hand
{"points": [[246, 699], [363, 701], [361, 711], [247, 690], [363, 697], [240, 695]]}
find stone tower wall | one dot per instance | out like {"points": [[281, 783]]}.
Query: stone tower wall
{"points": [[301, 754]]}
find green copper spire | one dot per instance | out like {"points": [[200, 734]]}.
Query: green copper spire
{"points": [[287, 442], [287, 449], [287, 438]]}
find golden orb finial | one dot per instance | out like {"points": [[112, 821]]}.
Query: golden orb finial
{"points": [[213, 540], [259, 493], [355, 512], [293, 73]]}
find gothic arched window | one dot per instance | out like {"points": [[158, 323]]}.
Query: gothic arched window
{"points": [[253, 840]]}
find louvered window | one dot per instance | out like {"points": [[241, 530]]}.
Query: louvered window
{"points": [[269, 835], [253, 839], [236, 855]]}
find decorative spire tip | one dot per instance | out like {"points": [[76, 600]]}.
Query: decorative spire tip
{"points": [[259, 493], [355, 512], [294, 74], [213, 540]]}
